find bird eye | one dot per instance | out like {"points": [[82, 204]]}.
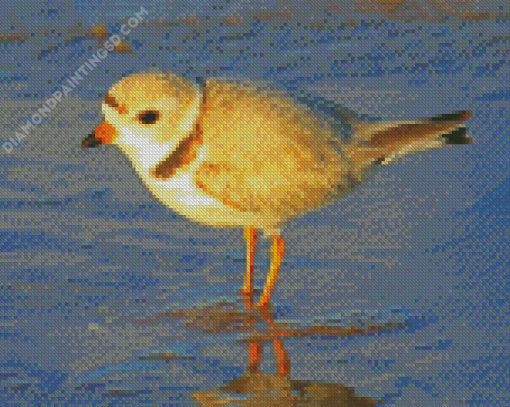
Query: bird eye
{"points": [[148, 117]]}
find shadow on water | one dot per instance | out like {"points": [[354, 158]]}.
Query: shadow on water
{"points": [[257, 326]]}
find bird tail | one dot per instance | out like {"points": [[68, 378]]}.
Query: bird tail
{"points": [[382, 142]]}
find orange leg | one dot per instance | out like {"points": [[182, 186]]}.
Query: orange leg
{"points": [[250, 235], [277, 249], [282, 360], [255, 350]]}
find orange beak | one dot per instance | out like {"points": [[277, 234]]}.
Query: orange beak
{"points": [[105, 133]]}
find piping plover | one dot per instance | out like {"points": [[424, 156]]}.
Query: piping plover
{"points": [[240, 154]]}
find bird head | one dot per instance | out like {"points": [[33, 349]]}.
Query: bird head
{"points": [[147, 115]]}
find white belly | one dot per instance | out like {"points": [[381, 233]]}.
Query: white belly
{"points": [[181, 194]]}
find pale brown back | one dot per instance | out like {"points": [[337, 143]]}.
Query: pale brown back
{"points": [[265, 152]]}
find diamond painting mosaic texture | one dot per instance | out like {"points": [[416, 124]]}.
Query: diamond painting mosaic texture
{"points": [[255, 203]]}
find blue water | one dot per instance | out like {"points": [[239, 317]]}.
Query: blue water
{"points": [[86, 252]]}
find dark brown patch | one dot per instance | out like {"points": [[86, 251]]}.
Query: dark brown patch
{"points": [[183, 155], [112, 102], [460, 116], [458, 136]]}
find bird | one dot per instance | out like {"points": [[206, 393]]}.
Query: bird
{"points": [[240, 153]]}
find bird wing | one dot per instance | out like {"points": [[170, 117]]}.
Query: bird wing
{"points": [[383, 142], [264, 152]]}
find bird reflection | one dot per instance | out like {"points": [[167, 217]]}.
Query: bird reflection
{"points": [[256, 388]]}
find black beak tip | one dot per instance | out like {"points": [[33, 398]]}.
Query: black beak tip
{"points": [[90, 141]]}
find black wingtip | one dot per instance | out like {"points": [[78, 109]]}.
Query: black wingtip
{"points": [[459, 116], [458, 136]]}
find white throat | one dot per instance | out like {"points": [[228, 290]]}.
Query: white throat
{"points": [[145, 152]]}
